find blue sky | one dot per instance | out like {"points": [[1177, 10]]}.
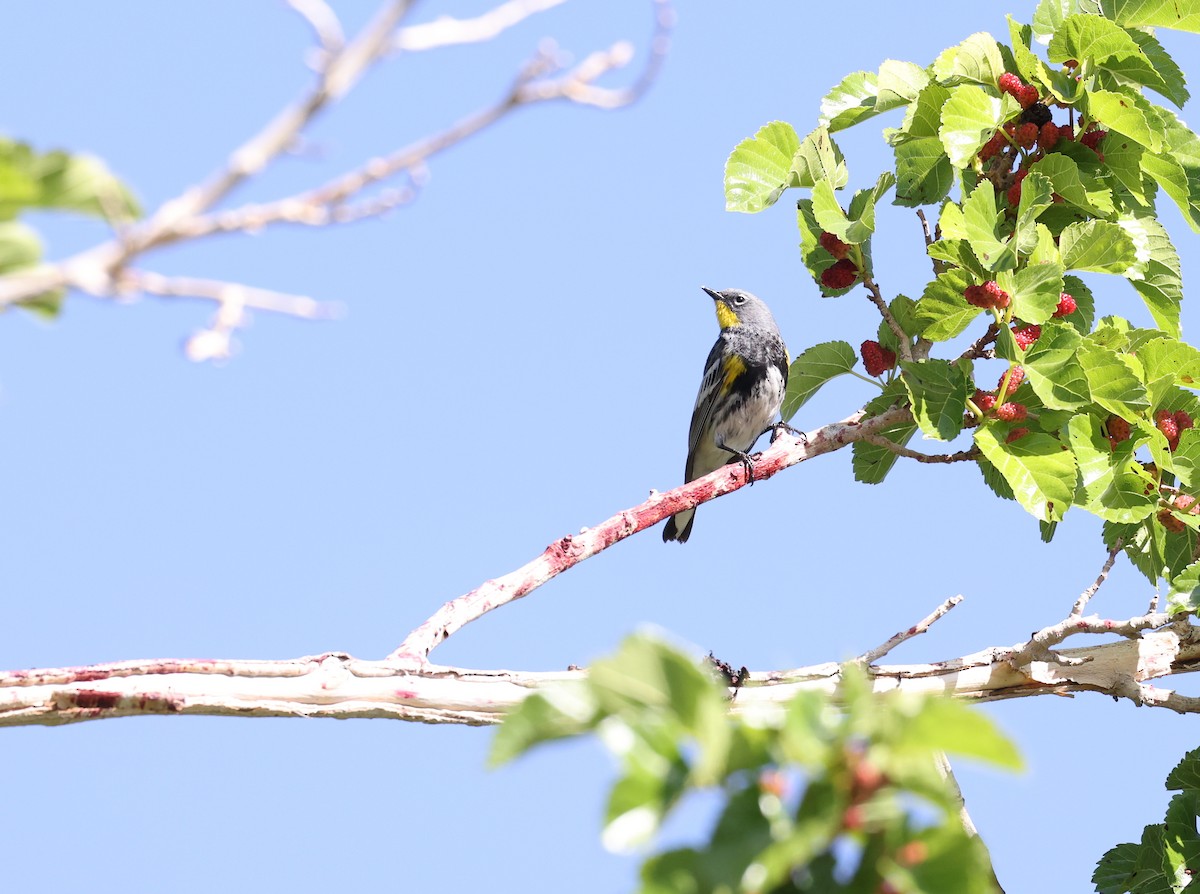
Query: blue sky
{"points": [[519, 359]]}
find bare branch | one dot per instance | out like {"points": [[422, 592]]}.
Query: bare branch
{"points": [[447, 31], [904, 635], [327, 28], [573, 549], [969, 455], [979, 348], [1086, 595], [340, 686]]}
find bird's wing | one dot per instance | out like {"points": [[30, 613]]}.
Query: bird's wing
{"points": [[706, 400]]}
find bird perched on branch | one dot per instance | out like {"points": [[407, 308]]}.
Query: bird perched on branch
{"points": [[740, 394]]}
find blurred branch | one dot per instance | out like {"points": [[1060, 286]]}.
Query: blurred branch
{"points": [[99, 270]]}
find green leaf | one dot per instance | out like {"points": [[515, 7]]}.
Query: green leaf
{"points": [[1106, 488], [942, 311], [812, 369], [1128, 113], [1156, 275], [1063, 174], [1186, 774], [969, 118], [870, 462], [637, 804], [557, 712], [857, 225], [851, 101], [981, 217], [1171, 359], [924, 174], [1111, 382], [938, 390], [1114, 873], [1096, 245], [1053, 370], [1173, 81], [83, 183], [944, 724], [900, 83], [20, 246], [1090, 38], [1177, 168], [1037, 468], [1184, 594], [977, 59], [1124, 159], [1050, 14], [1085, 313], [760, 168], [1036, 291], [1182, 16], [819, 159]]}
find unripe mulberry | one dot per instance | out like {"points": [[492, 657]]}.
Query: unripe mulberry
{"points": [[1048, 136], [1014, 191], [1026, 335], [1118, 429], [1092, 139], [1011, 84], [1067, 305], [1026, 135], [1016, 434], [987, 295], [1015, 378], [1028, 96], [985, 400], [1011, 412], [1165, 422]]}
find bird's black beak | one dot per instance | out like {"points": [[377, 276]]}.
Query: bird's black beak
{"points": [[714, 295]]}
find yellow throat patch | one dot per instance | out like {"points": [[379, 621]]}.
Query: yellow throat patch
{"points": [[726, 317]]}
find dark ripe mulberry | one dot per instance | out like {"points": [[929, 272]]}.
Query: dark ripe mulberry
{"points": [[1038, 113]]}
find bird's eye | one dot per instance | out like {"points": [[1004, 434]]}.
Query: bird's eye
{"points": [[740, 299]]}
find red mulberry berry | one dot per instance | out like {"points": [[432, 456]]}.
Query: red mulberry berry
{"points": [[1014, 191], [1027, 96], [840, 276], [1118, 429], [986, 296], [1186, 503], [1092, 139], [1066, 305], [1016, 434], [1165, 422], [834, 245], [1066, 132], [1182, 420], [1026, 335], [1167, 519], [1015, 378], [992, 147], [1048, 136], [1011, 84], [985, 400], [1011, 411], [1026, 135], [876, 358]]}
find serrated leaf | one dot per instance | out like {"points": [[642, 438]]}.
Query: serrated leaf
{"points": [[1185, 776], [870, 462], [1174, 83], [924, 174], [1126, 112], [1096, 245], [977, 59], [1159, 13], [760, 168], [981, 217], [812, 369], [1090, 38], [852, 100], [1171, 359], [819, 159], [938, 390], [1063, 174], [969, 118], [900, 82], [1114, 872], [1106, 488], [942, 312], [1039, 470], [1036, 291], [1184, 594], [1157, 277], [1177, 168], [1053, 370], [1111, 383]]}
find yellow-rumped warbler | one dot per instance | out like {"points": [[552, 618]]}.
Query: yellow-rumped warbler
{"points": [[742, 390]]}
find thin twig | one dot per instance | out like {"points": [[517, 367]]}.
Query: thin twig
{"points": [[904, 341], [969, 455], [978, 348], [1086, 595], [917, 629], [447, 31]]}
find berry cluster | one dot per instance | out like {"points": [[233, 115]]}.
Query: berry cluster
{"points": [[1026, 334], [1181, 503], [843, 272], [1024, 140], [876, 358], [989, 295]]}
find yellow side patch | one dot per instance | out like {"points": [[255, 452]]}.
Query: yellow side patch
{"points": [[734, 367], [727, 318]]}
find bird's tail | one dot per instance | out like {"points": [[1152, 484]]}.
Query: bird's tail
{"points": [[679, 526]]}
